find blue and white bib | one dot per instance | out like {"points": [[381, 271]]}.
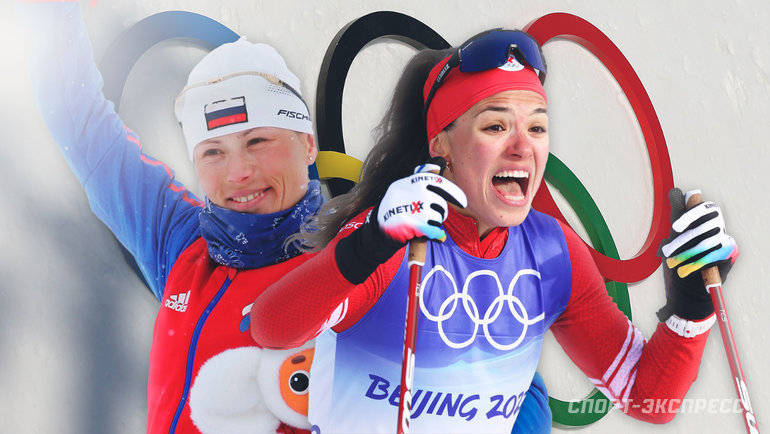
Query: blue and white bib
{"points": [[480, 333]]}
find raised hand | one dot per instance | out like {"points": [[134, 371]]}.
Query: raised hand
{"points": [[416, 206]]}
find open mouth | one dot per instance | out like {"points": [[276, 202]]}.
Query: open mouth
{"points": [[512, 184]]}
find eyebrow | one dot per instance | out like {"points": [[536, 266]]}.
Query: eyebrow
{"points": [[495, 108], [216, 140], [247, 132]]}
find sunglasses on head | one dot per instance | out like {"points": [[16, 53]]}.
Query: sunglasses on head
{"points": [[491, 49]]}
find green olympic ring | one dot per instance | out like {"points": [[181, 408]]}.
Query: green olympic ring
{"points": [[559, 175]]}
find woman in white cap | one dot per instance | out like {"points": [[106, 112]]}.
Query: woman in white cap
{"points": [[251, 140], [497, 275]]}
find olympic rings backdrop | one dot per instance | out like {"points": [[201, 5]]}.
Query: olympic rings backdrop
{"points": [[76, 322]]}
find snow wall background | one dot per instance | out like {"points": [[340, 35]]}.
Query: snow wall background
{"points": [[76, 322]]}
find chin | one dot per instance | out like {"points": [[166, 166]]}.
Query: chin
{"points": [[516, 217]]}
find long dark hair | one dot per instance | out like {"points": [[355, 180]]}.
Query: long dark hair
{"points": [[401, 144]]}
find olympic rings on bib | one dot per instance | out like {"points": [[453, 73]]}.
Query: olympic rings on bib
{"points": [[471, 309]]}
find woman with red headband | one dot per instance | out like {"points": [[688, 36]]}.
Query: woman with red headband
{"points": [[497, 274]]}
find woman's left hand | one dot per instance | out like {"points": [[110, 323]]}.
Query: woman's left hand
{"points": [[698, 241]]}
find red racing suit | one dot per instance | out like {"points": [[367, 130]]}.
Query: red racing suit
{"points": [[595, 334]]}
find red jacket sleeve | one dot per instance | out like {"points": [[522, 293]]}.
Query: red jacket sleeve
{"points": [[645, 379], [315, 297]]}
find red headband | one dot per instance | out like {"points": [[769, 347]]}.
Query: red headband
{"points": [[461, 90]]}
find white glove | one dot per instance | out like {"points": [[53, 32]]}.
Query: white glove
{"points": [[700, 232], [416, 206]]}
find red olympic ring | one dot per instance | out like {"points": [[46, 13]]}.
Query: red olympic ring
{"points": [[580, 31]]}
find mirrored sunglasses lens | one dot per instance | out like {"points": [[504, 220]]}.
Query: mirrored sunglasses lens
{"points": [[491, 51], [487, 52]]}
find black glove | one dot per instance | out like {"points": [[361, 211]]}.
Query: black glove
{"points": [[697, 241], [366, 248]]}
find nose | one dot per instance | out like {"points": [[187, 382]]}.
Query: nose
{"points": [[240, 167], [519, 144]]}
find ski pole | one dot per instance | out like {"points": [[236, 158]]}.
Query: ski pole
{"points": [[713, 282], [416, 259], [417, 248]]}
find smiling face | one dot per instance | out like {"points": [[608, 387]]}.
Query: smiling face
{"points": [[496, 153], [259, 171]]}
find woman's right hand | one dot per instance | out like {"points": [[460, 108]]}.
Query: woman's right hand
{"points": [[416, 206]]}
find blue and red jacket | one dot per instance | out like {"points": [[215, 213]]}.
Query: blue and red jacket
{"points": [[204, 305]]}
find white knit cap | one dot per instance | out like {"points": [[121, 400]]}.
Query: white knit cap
{"points": [[236, 87]]}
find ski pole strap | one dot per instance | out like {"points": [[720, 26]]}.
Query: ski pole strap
{"points": [[690, 329]]}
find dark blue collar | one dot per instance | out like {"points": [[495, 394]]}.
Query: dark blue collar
{"points": [[245, 241]]}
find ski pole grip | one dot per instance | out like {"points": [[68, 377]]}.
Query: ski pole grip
{"points": [[418, 246], [710, 275], [417, 249]]}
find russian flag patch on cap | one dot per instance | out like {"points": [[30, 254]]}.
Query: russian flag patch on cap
{"points": [[226, 112]]}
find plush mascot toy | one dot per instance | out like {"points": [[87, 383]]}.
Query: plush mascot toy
{"points": [[250, 389]]}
